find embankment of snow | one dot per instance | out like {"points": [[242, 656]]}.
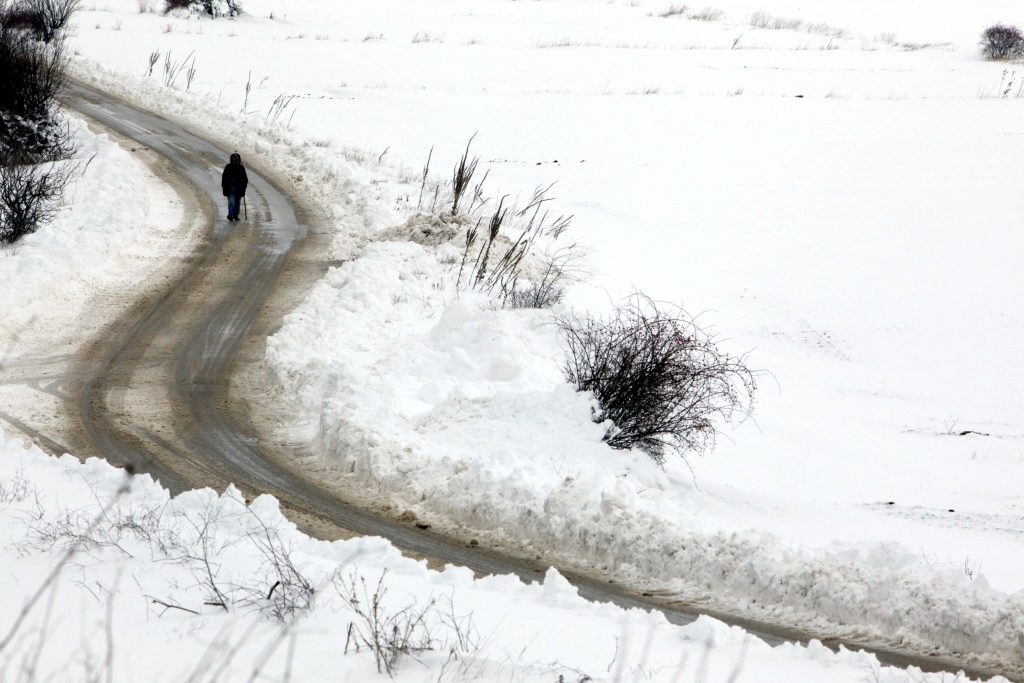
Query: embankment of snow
{"points": [[105, 235], [459, 413], [135, 571]]}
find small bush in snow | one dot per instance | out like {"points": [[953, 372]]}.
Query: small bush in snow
{"points": [[544, 294], [33, 75], [1002, 42], [48, 18], [657, 377], [545, 287], [391, 635], [30, 196], [213, 8]]}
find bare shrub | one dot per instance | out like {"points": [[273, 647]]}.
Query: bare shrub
{"points": [[547, 287], [1002, 41], [826, 29], [213, 8], [72, 549], [543, 294], [16, 489], [707, 14], [389, 635], [764, 20], [33, 76], [786, 24], [291, 593], [30, 196], [47, 19], [394, 634], [760, 19], [422, 37], [656, 376], [674, 10]]}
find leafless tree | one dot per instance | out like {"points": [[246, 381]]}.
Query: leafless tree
{"points": [[1002, 41]]}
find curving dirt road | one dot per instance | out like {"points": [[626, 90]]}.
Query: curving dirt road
{"points": [[154, 389]]}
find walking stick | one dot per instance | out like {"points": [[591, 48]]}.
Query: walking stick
{"points": [[246, 207]]}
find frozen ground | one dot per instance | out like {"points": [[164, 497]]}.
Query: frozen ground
{"points": [[108, 578], [138, 569], [842, 204]]}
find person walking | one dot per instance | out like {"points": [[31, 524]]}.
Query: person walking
{"points": [[233, 182]]}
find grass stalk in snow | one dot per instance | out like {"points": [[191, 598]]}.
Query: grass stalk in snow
{"points": [[462, 176]]}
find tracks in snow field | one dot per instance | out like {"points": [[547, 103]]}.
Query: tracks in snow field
{"points": [[154, 389]]}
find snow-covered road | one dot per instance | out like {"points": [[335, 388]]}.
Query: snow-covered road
{"points": [[154, 389]]}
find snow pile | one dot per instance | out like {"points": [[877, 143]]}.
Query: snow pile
{"points": [[91, 241], [458, 413], [122, 576], [804, 194]]}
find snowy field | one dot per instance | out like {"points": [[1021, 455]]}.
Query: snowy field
{"points": [[132, 604], [841, 198]]}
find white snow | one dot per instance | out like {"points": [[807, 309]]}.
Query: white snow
{"points": [[137, 550], [92, 244], [861, 239]]}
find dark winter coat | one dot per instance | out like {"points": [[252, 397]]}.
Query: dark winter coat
{"points": [[234, 178]]}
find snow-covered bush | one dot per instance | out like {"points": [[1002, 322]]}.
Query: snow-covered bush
{"points": [[47, 18], [33, 75], [30, 196], [1002, 41], [29, 129], [213, 8], [657, 377]]}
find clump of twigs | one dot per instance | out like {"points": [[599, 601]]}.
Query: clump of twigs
{"points": [[33, 76], [17, 488], [546, 288], [393, 634], [291, 594], [212, 8], [30, 195], [47, 19], [390, 635], [659, 381]]}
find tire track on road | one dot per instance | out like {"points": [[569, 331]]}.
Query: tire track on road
{"points": [[154, 388]]}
